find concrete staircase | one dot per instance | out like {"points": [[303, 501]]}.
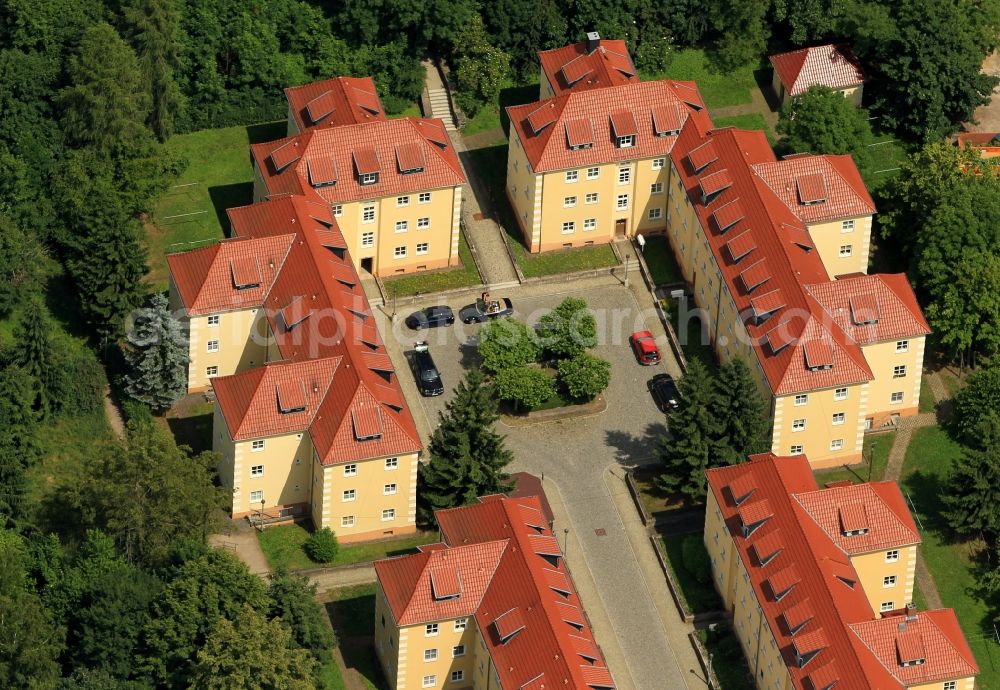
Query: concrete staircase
{"points": [[440, 107]]}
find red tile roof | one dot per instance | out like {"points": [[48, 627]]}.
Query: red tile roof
{"points": [[832, 183], [362, 148], [828, 65], [334, 102], [825, 611], [933, 636], [522, 619], [890, 299], [572, 68], [877, 507], [631, 106], [317, 312]]}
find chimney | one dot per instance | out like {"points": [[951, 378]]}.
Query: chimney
{"points": [[593, 41], [911, 612]]}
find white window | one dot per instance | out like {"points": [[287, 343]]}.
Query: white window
{"points": [[622, 202], [388, 514], [889, 581], [572, 175], [338, 210], [886, 606], [846, 249], [213, 345], [569, 227], [347, 521], [430, 629], [430, 654], [590, 224], [798, 424], [402, 225], [369, 178], [213, 320], [656, 188], [458, 650], [626, 142], [349, 495], [422, 248], [257, 446], [795, 450], [256, 470], [896, 398], [461, 624], [430, 681], [457, 676], [840, 394], [902, 345], [212, 371], [593, 173], [402, 201], [368, 214], [351, 470], [655, 213], [950, 685], [388, 489], [847, 226], [424, 197], [624, 175], [838, 418], [899, 371], [837, 444], [256, 496], [391, 463], [658, 163], [368, 239], [801, 399], [423, 223], [892, 556], [399, 252], [591, 198]]}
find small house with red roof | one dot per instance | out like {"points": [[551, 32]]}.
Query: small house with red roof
{"points": [[492, 606], [832, 66], [819, 582]]}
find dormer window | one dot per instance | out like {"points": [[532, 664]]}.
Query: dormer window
{"points": [[291, 397], [819, 355], [508, 624], [853, 520], [369, 178], [624, 129], [754, 515], [626, 141], [446, 583], [807, 646], [910, 648]]}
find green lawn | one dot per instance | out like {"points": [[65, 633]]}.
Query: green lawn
{"points": [[877, 447], [462, 276], [719, 89], [952, 562], [699, 596], [565, 260], [660, 261], [352, 614], [412, 110], [331, 678], [728, 662], [927, 402], [754, 121], [694, 343], [887, 155], [495, 116], [282, 545], [218, 176], [654, 499]]}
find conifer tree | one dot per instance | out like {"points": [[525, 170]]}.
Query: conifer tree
{"points": [[688, 448], [152, 29], [37, 356], [744, 427], [19, 447], [972, 493], [157, 357], [467, 456]]}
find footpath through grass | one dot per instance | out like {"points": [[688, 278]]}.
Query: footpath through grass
{"points": [[462, 276], [352, 615], [283, 548], [719, 89], [953, 563]]}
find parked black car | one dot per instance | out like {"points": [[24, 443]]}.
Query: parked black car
{"points": [[426, 372], [663, 388], [480, 310], [430, 317]]}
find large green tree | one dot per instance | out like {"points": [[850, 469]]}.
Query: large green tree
{"points": [[823, 121], [152, 29], [584, 376], [157, 356], [19, 443], [741, 413], [21, 257], [971, 496], [506, 343], [977, 408], [526, 387], [480, 68], [687, 449], [467, 457], [37, 355], [294, 600], [569, 329]]}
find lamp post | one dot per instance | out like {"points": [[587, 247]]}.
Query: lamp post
{"points": [[565, 541]]}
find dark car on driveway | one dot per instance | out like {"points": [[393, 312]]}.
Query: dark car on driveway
{"points": [[644, 347], [430, 317], [425, 371], [663, 388], [480, 310]]}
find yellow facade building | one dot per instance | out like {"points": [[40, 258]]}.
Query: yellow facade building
{"points": [[492, 607], [310, 419], [819, 583]]}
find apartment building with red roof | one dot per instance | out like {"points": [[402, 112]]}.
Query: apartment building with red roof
{"points": [[591, 64], [491, 606], [394, 186], [819, 582], [309, 418], [832, 66]]}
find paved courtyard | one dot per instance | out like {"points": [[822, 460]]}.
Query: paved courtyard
{"points": [[583, 459]]}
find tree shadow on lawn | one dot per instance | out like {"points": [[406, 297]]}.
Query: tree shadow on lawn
{"points": [[636, 449], [515, 95], [924, 491], [267, 131], [228, 196], [195, 431], [353, 621], [469, 353]]}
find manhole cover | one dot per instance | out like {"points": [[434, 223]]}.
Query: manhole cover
{"points": [[601, 532]]}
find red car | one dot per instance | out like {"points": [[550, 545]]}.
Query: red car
{"points": [[644, 347]]}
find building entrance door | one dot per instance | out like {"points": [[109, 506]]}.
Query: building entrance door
{"points": [[620, 228]]}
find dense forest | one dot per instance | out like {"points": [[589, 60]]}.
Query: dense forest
{"points": [[105, 581]]}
